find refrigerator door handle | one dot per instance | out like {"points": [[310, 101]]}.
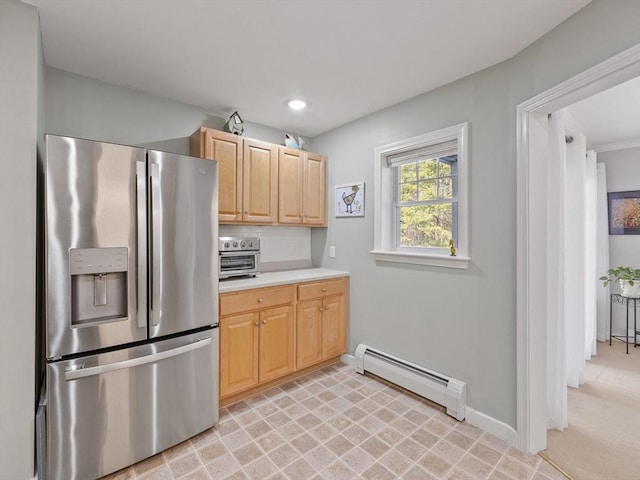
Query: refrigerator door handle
{"points": [[135, 362], [141, 243], [156, 242]]}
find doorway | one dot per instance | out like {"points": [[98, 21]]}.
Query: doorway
{"points": [[533, 228]]}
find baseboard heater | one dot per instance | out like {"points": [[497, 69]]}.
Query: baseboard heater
{"points": [[446, 391]]}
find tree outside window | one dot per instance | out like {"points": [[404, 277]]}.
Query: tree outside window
{"points": [[426, 203]]}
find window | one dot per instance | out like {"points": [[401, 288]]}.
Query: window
{"points": [[426, 206], [421, 202]]}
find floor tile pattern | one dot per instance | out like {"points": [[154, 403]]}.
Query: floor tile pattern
{"points": [[335, 424]]}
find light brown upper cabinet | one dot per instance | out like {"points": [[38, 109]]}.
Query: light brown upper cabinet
{"points": [[227, 150], [302, 187], [260, 182], [247, 175]]}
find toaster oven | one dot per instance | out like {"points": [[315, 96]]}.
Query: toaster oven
{"points": [[239, 257]]}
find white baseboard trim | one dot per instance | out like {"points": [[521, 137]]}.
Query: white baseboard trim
{"points": [[348, 360], [473, 417], [491, 425]]}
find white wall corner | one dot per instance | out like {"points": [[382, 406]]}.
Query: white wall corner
{"points": [[491, 425]]}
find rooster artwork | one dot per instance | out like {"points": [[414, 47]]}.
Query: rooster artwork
{"points": [[350, 201]]}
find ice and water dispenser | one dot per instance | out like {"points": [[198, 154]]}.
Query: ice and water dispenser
{"points": [[98, 285]]}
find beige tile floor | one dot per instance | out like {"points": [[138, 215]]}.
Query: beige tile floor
{"points": [[336, 424]]}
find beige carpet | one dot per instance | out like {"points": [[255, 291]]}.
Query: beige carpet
{"points": [[603, 438]]}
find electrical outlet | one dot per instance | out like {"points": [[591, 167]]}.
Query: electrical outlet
{"points": [[332, 251]]}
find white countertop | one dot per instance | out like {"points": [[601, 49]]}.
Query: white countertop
{"points": [[271, 279]]}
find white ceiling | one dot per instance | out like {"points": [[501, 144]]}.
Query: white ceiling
{"points": [[345, 58], [611, 117]]}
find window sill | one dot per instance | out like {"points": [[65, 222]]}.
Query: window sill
{"points": [[421, 259]]}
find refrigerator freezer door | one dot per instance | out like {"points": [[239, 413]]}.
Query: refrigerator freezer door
{"points": [[111, 410], [92, 299], [183, 244]]}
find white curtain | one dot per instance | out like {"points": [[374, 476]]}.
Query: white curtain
{"points": [[572, 268], [602, 253], [591, 255], [556, 361], [575, 244]]}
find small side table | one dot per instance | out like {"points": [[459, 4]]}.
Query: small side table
{"points": [[628, 301]]}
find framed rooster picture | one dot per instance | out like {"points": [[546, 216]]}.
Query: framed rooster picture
{"points": [[350, 200]]}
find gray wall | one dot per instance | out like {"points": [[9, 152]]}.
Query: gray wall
{"points": [[462, 323], [623, 174], [82, 107], [20, 68]]}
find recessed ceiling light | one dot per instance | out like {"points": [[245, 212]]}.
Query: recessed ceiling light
{"points": [[297, 104]]}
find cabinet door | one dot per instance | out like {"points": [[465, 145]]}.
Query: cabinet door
{"points": [[314, 204], [227, 150], [290, 184], [276, 342], [260, 197], [333, 328], [308, 333], [239, 343]]}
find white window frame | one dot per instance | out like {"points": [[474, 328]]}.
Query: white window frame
{"points": [[384, 190]]}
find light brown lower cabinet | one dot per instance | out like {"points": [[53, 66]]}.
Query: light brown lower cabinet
{"points": [[320, 330], [266, 334], [256, 337], [276, 343], [239, 347], [320, 321]]}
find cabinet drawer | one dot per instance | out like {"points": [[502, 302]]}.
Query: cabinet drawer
{"points": [[255, 299], [322, 289]]}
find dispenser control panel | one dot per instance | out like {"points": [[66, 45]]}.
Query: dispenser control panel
{"points": [[84, 261]]}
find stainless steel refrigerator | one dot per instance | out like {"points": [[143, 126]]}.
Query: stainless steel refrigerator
{"points": [[131, 303]]}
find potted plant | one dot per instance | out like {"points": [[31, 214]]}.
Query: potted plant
{"points": [[627, 277]]}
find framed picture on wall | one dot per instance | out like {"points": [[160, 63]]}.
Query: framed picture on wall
{"points": [[349, 200], [624, 212]]}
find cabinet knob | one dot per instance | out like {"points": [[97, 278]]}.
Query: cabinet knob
{"points": [[260, 300], [320, 309], [257, 324], [246, 212], [264, 322], [324, 290], [326, 308], [239, 212]]}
